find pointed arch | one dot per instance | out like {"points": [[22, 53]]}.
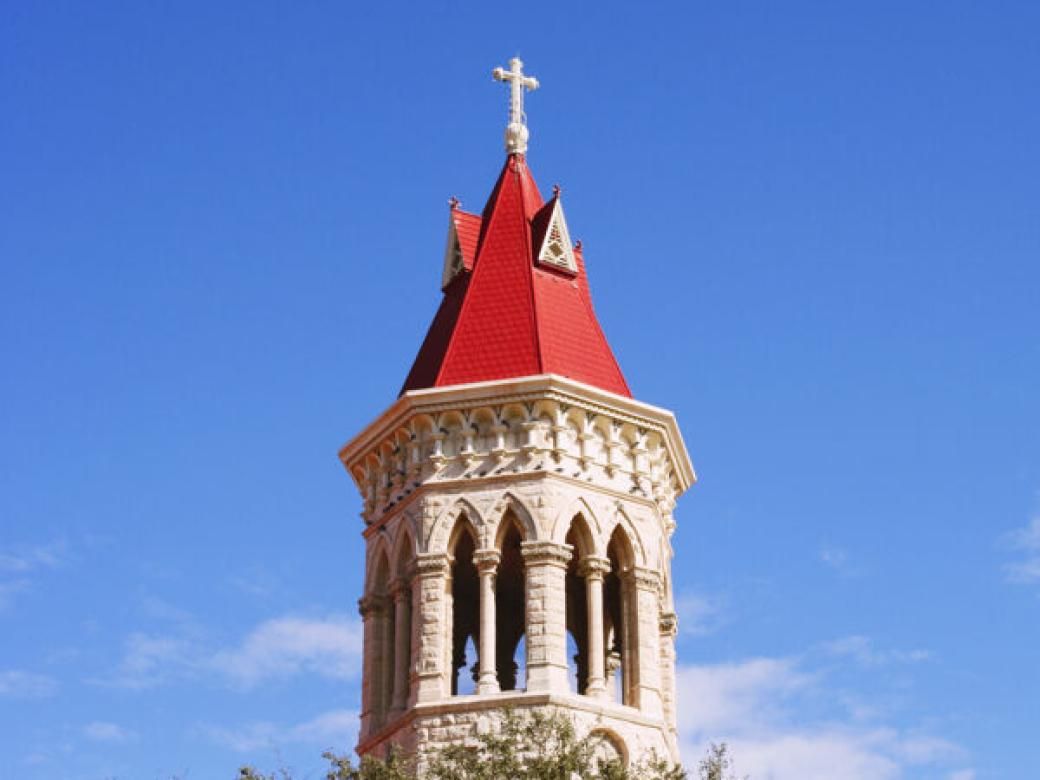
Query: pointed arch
{"points": [[624, 522], [562, 524], [379, 638], [620, 618], [510, 505], [377, 580], [444, 526], [576, 607], [404, 547], [462, 602], [510, 597], [621, 549]]}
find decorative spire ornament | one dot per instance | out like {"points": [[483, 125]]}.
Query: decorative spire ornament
{"points": [[516, 131]]}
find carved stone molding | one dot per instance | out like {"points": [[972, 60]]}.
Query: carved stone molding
{"points": [[546, 553], [487, 560], [594, 567], [432, 564]]}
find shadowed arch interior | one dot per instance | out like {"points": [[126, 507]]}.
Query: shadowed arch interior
{"points": [[510, 603], [465, 601], [577, 618], [618, 619], [383, 667]]}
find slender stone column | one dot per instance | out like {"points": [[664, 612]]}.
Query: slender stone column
{"points": [[402, 594], [370, 608], [487, 565], [385, 659], [434, 630], [594, 569], [545, 564]]}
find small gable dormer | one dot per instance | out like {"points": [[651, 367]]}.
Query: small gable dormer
{"points": [[461, 248], [552, 239]]}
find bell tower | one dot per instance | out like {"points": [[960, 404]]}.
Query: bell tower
{"points": [[518, 501]]}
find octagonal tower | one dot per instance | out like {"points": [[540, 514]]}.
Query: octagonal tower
{"points": [[517, 501]]}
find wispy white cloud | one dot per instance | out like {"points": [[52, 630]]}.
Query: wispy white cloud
{"points": [[962, 774], [104, 731], [1026, 542], [287, 646], [336, 728], [699, 614], [275, 649], [864, 651], [768, 711], [18, 684], [153, 659], [25, 559], [18, 566], [838, 559]]}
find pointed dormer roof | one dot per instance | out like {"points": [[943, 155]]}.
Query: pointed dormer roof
{"points": [[521, 306]]}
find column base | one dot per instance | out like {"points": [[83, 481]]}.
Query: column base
{"points": [[488, 683]]}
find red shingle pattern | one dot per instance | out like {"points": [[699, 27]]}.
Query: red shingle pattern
{"points": [[509, 318], [467, 228]]}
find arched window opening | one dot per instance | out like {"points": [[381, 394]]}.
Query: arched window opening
{"points": [[510, 606], [401, 590], [608, 748], [382, 640], [577, 617], [619, 620], [465, 610]]}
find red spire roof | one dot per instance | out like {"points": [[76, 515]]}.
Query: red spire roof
{"points": [[506, 315]]}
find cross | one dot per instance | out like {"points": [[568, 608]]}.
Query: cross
{"points": [[516, 132]]}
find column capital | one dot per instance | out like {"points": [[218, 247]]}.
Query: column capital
{"points": [[487, 560], [401, 588], [644, 578], [594, 567], [546, 553], [371, 605], [668, 622], [432, 564]]}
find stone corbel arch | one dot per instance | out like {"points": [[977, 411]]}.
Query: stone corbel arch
{"points": [[622, 519], [440, 533], [378, 558], [562, 524], [528, 526], [404, 547]]}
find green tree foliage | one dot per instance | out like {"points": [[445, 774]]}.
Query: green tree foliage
{"points": [[533, 746], [715, 765]]}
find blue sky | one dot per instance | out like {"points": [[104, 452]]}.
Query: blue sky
{"points": [[810, 228]]}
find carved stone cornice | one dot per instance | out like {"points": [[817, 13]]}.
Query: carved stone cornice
{"points": [[410, 445], [668, 622]]}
